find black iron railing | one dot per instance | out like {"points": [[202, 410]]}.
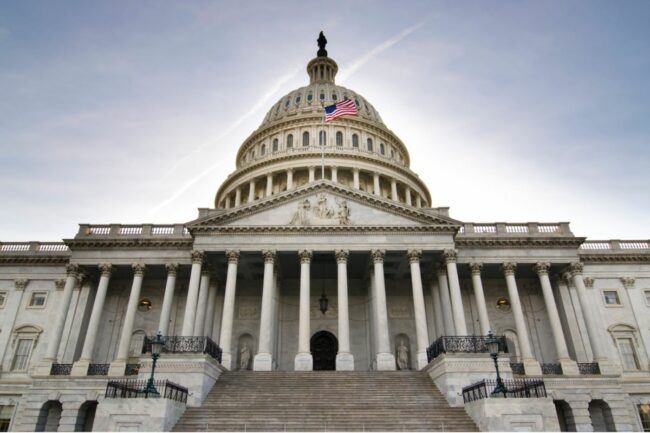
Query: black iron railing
{"points": [[515, 388], [588, 368], [517, 368], [138, 389], [60, 369], [467, 344], [132, 369], [175, 344], [551, 368], [98, 369]]}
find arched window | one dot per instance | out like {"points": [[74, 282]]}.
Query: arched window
{"points": [[322, 139], [310, 97], [286, 104], [262, 149], [322, 96], [370, 145], [289, 141], [305, 139], [252, 154], [339, 138], [355, 140], [297, 99], [333, 96], [275, 145], [382, 149]]}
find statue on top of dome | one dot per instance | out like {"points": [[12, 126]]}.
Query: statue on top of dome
{"points": [[322, 52]]}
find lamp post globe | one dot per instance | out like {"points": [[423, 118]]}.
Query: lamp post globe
{"points": [[157, 345], [492, 343]]}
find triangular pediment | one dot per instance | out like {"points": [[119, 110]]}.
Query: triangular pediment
{"points": [[324, 205]]}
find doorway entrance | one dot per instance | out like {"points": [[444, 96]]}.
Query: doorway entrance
{"points": [[324, 346]]}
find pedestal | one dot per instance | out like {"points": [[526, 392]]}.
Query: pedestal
{"points": [[263, 362], [569, 367], [344, 362], [422, 360], [607, 367], [80, 368], [117, 368], [386, 362], [43, 368], [303, 362], [532, 367]]}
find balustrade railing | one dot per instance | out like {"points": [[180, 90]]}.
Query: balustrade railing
{"points": [[60, 369], [132, 369], [549, 368], [467, 344], [177, 344], [34, 247], [528, 229], [515, 388], [98, 369], [138, 389], [588, 368], [124, 230], [614, 245], [517, 368]]}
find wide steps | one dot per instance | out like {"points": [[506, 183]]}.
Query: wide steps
{"points": [[325, 401]]}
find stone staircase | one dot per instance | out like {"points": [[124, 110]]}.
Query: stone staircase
{"points": [[325, 401]]}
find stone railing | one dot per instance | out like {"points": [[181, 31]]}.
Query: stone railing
{"points": [[60, 369], [588, 368], [130, 231], [614, 246], [518, 229], [467, 344], [514, 388], [179, 344], [139, 389], [39, 248]]}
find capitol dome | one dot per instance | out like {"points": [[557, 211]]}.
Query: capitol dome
{"points": [[285, 152]]}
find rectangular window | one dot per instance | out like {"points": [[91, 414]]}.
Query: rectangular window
{"points": [[611, 297], [23, 349], [644, 414], [5, 417], [628, 356], [38, 299], [3, 299]]}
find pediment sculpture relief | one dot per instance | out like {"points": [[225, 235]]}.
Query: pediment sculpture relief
{"points": [[321, 214]]}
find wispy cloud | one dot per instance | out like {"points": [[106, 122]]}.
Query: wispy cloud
{"points": [[345, 74]]}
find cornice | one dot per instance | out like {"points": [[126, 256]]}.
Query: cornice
{"points": [[325, 230], [134, 243], [519, 242], [34, 260], [628, 258]]}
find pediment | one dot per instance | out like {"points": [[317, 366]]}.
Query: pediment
{"points": [[324, 205]]}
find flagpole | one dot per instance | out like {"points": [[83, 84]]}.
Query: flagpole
{"points": [[320, 139]]}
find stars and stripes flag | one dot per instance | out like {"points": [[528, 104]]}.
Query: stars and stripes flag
{"points": [[346, 107]]}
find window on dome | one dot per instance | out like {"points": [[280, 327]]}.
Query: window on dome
{"points": [[356, 101], [333, 96], [286, 104], [339, 138], [322, 96], [392, 153], [305, 139], [382, 149], [355, 140], [370, 145], [322, 139], [262, 149], [289, 141], [310, 97], [367, 109], [275, 145], [252, 155], [297, 99]]}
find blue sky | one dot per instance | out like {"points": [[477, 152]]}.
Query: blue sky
{"points": [[132, 112]]}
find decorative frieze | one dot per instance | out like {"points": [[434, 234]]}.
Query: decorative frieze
{"points": [[21, 284], [628, 282], [59, 284], [589, 282]]}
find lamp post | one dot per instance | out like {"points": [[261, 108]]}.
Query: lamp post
{"points": [[492, 344], [156, 347]]}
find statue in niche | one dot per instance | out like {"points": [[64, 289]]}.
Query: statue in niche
{"points": [[244, 357], [402, 356]]}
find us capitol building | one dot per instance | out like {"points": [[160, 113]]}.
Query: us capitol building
{"points": [[324, 257]]}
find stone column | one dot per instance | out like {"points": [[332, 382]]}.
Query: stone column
{"points": [[269, 184], [385, 357], [531, 366], [334, 174], [454, 290], [375, 181], [264, 359], [355, 178], [251, 190], [289, 179], [445, 300], [477, 284], [407, 195], [168, 300], [210, 310], [237, 196], [227, 202], [569, 367], [304, 360], [119, 364], [228, 308], [202, 304], [421, 332], [192, 294], [418, 200], [312, 174], [70, 282], [437, 306], [393, 190], [344, 357], [606, 367], [80, 368]]}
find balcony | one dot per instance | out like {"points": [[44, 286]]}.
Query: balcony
{"points": [[467, 344]]}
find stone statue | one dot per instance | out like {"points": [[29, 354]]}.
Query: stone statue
{"points": [[244, 357], [322, 211], [301, 216], [322, 52], [344, 212], [402, 356]]}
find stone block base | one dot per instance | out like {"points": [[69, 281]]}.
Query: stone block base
{"points": [[303, 362], [117, 369], [422, 360], [226, 360], [137, 414], [386, 362], [344, 362], [532, 367], [263, 362], [607, 367], [43, 368], [80, 368], [569, 367], [514, 414]]}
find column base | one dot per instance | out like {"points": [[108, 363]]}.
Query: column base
{"points": [[344, 361], [569, 367], [226, 360], [607, 367], [386, 362], [263, 362], [117, 368], [303, 362], [422, 360], [43, 368], [80, 368], [532, 367]]}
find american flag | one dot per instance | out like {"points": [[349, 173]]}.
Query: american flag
{"points": [[346, 107]]}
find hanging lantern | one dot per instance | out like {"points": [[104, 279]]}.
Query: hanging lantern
{"points": [[323, 301]]}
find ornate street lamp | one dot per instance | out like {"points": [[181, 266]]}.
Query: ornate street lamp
{"points": [[492, 344], [156, 347], [323, 302]]}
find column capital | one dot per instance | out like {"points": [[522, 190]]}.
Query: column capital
{"points": [[414, 255], [589, 282], [450, 256], [541, 268], [378, 256], [233, 256], [172, 269], [105, 269], [269, 256], [81, 277], [476, 268], [355, 170], [138, 269], [198, 257], [439, 268], [628, 282], [59, 284], [342, 256], [305, 256], [72, 269], [206, 270], [509, 268], [576, 268], [21, 284], [290, 170]]}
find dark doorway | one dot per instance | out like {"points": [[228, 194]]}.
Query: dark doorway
{"points": [[324, 346]]}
